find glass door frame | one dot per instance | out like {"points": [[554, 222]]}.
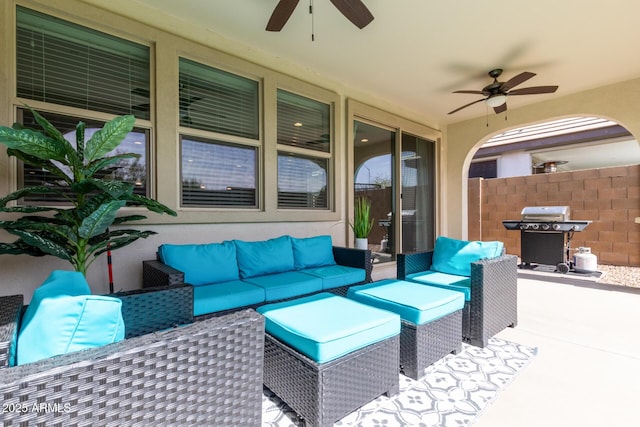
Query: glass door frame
{"points": [[357, 111]]}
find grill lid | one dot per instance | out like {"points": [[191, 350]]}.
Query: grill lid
{"points": [[545, 213]]}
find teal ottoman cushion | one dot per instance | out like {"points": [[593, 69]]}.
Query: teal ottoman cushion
{"points": [[286, 285], [414, 302], [225, 296], [334, 276], [443, 280], [325, 327]]}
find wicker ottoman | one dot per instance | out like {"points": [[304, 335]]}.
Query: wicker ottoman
{"points": [[431, 319], [326, 355]]}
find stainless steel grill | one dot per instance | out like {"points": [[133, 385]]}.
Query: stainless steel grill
{"points": [[545, 235]]}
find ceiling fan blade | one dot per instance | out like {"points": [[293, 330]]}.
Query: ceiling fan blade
{"points": [[465, 106], [474, 92], [281, 14], [515, 81], [500, 108], [533, 90], [355, 11]]}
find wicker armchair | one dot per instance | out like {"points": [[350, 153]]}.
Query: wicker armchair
{"points": [[493, 305], [202, 373]]}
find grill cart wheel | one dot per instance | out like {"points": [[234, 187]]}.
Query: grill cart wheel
{"points": [[562, 268]]}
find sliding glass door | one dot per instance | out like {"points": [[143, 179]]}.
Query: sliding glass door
{"points": [[395, 170]]}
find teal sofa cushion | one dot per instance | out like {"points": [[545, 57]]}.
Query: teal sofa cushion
{"points": [[325, 327], [264, 257], [225, 296], [454, 256], [286, 285], [202, 264], [443, 280], [334, 276], [63, 317], [312, 252], [414, 302]]}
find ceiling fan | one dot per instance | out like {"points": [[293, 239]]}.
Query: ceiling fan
{"points": [[354, 10], [497, 92]]}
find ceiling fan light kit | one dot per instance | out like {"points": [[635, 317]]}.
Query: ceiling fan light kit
{"points": [[496, 93], [496, 100]]}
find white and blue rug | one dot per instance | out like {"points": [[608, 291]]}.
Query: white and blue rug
{"points": [[454, 391]]}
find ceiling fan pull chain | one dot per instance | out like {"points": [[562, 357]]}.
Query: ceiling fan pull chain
{"points": [[313, 36]]}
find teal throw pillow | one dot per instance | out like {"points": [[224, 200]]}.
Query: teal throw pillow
{"points": [[312, 252], [202, 264], [454, 256], [264, 257], [63, 317]]}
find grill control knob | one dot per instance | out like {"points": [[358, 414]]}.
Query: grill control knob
{"points": [[534, 226], [556, 227], [545, 226]]}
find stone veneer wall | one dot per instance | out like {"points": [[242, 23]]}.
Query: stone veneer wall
{"points": [[610, 197]]}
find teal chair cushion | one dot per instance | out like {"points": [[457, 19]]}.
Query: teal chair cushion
{"points": [[264, 257], [443, 280], [225, 296], [286, 285], [414, 302], [202, 264], [334, 276], [63, 317], [312, 252], [454, 256], [325, 327]]}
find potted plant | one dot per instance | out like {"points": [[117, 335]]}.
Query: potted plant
{"points": [[362, 222], [78, 232]]}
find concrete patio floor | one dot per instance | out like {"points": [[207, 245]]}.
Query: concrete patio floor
{"points": [[587, 370]]}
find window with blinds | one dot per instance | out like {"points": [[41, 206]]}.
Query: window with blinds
{"points": [[305, 124], [63, 63], [302, 181], [128, 170], [217, 101], [218, 174]]}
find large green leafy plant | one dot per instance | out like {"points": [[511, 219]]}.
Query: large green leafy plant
{"points": [[78, 232]]}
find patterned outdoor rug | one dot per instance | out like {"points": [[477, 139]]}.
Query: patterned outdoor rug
{"points": [[454, 392]]}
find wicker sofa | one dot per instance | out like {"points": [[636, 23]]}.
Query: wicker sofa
{"points": [[198, 373], [491, 292], [240, 280]]}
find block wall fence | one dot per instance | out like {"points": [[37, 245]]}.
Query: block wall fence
{"points": [[610, 197]]}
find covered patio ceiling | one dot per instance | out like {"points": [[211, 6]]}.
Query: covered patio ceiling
{"points": [[415, 53]]}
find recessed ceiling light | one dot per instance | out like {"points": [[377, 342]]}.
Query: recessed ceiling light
{"points": [[364, 140], [297, 124]]}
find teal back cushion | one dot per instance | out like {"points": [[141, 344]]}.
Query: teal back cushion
{"points": [[312, 252], [63, 317], [202, 264], [454, 256], [264, 257]]}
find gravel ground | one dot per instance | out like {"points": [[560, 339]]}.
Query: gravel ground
{"points": [[616, 275]]}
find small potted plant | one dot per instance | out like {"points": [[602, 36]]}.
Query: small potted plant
{"points": [[362, 222]]}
